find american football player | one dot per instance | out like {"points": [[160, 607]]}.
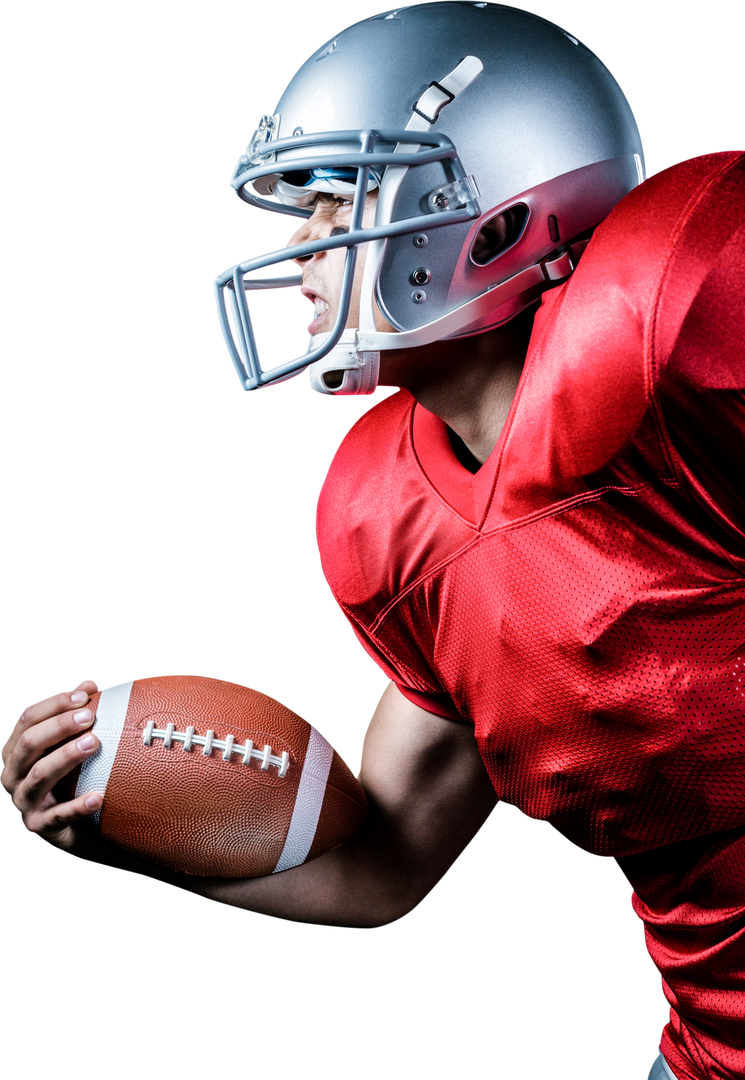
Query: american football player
{"points": [[541, 538]]}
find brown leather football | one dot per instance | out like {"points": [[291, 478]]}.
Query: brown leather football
{"points": [[215, 779]]}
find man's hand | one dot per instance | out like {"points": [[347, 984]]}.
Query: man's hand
{"points": [[49, 740]]}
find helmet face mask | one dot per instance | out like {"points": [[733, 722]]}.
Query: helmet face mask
{"points": [[377, 150], [517, 132]]}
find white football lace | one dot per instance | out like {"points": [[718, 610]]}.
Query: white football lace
{"points": [[208, 742]]}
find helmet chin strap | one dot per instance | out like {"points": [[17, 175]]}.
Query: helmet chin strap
{"points": [[358, 353], [346, 369], [360, 365]]}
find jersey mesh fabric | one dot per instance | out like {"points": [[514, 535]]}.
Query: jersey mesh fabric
{"points": [[579, 599]]}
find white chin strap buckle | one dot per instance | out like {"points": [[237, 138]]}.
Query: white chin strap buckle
{"points": [[345, 370]]}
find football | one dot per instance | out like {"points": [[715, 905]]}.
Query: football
{"points": [[212, 778]]}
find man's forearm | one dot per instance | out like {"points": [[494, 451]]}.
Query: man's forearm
{"points": [[364, 883]]}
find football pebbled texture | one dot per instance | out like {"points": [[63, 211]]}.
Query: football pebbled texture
{"points": [[212, 778]]}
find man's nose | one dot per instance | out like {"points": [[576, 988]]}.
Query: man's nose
{"points": [[309, 230]]}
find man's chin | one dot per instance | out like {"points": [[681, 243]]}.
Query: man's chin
{"points": [[322, 325]]}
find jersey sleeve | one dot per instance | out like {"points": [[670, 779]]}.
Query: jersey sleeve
{"points": [[697, 354], [632, 359], [439, 704], [651, 329], [376, 536]]}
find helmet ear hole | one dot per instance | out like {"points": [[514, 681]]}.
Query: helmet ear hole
{"points": [[499, 233]]}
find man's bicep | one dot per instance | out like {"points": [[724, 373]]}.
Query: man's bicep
{"points": [[428, 788]]}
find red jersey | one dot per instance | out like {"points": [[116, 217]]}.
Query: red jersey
{"points": [[579, 599]]}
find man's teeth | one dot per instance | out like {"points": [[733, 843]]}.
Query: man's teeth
{"points": [[320, 307]]}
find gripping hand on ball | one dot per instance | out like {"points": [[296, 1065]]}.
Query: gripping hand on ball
{"points": [[50, 739]]}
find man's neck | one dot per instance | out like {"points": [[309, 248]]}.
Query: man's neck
{"points": [[470, 383]]}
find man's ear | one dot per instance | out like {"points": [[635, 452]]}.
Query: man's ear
{"points": [[501, 232]]}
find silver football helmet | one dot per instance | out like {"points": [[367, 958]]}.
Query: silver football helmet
{"points": [[497, 142]]}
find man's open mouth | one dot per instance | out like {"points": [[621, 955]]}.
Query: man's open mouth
{"points": [[320, 310]]}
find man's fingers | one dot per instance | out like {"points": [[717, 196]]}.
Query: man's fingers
{"points": [[32, 743], [49, 740], [65, 702], [56, 822], [59, 703], [48, 770]]}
